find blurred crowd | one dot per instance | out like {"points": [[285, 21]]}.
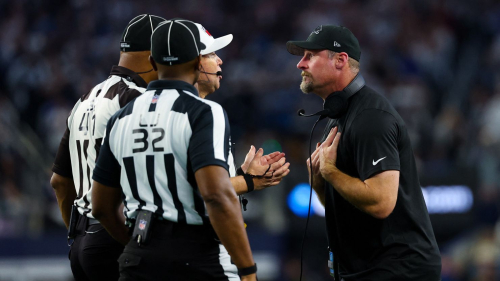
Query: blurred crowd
{"points": [[437, 61]]}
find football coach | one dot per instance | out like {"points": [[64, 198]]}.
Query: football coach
{"points": [[364, 170]]}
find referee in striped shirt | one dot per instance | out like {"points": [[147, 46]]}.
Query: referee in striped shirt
{"points": [[169, 152], [208, 83], [94, 252]]}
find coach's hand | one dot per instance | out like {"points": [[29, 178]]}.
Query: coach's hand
{"points": [[328, 152], [251, 277], [318, 182]]}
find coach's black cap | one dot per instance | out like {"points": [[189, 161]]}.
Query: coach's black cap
{"points": [[137, 35], [329, 37], [178, 41]]}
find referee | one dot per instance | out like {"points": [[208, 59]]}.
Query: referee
{"points": [[208, 82], [168, 151], [94, 252], [364, 172]]}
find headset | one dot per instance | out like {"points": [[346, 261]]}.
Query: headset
{"points": [[334, 107], [202, 70]]}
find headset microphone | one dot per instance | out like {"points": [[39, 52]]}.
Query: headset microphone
{"points": [[323, 113], [218, 73]]}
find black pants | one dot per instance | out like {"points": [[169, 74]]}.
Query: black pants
{"points": [[177, 252], [94, 253]]}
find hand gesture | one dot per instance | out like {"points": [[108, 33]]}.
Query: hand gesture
{"points": [[328, 152], [272, 167], [317, 178], [265, 160]]}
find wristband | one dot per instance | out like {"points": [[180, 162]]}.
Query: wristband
{"points": [[249, 180], [240, 172], [247, 270]]}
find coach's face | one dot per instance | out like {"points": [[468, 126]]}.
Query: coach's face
{"points": [[208, 83], [317, 71]]}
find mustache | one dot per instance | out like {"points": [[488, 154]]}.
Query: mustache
{"points": [[303, 74]]}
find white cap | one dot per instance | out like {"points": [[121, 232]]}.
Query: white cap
{"points": [[211, 44], [180, 50]]}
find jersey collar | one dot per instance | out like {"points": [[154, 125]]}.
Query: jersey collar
{"points": [[129, 75], [172, 84]]}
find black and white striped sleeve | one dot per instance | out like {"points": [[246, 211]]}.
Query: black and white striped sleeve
{"points": [[107, 169], [209, 143]]}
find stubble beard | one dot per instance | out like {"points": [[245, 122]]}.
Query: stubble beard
{"points": [[306, 87]]}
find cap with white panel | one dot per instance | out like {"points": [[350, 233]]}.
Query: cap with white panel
{"points": [[178, 41], [212, 44]]}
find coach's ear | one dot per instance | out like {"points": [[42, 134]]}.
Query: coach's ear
{"points": [[153, 63]]}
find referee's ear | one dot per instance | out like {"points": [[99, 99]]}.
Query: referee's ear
{"points": [[153, 63], [198, 63], [197, 68]]}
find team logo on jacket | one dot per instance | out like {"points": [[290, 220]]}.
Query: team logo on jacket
{"points": [[142, 224]]}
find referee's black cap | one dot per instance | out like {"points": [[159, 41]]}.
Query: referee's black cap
{"points": [[178, 41], [137, 35], [328, 37]]}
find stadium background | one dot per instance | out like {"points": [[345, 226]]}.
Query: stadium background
{"points": [[438, 62]]}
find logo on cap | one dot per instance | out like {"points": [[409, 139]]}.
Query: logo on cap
{"points": [[124, 45], [170, 58], [207, 32], [336, 44], [318, 29]]}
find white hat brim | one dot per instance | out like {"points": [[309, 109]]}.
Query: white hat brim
{"points": [[218, 44]]}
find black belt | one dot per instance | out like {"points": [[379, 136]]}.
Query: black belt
{"points": [[166, 228]]}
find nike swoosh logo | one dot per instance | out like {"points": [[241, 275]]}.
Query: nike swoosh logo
{"points": [[376, 162]]}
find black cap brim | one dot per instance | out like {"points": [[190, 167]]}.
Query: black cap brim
{"points": [[297, 47]]}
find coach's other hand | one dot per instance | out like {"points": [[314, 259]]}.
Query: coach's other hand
{"points": [[328, 152], [318, 181]]}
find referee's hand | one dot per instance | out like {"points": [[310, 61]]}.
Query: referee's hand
{"points": [[265, 165], [265, 160], [276, 173]]}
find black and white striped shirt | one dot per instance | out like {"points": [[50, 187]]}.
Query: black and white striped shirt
{"points": [[155, 144], [79, 147]]}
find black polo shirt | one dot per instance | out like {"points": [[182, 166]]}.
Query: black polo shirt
{"points": [[402, 246]]}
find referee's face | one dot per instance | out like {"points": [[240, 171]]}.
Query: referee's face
{"points": [[208, 83], [316, 69]]}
